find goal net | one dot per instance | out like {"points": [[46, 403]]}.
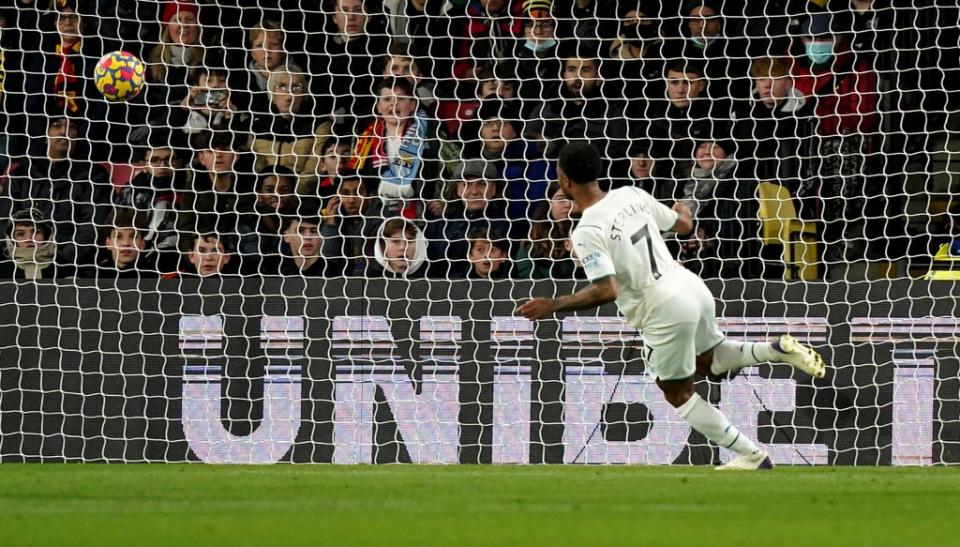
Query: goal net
{"points": [[304, 237]]}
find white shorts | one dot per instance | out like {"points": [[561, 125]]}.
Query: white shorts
{"points": [[681, 325]]}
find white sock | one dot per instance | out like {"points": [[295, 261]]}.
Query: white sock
{"points": [[730, 355], [706, 419]]}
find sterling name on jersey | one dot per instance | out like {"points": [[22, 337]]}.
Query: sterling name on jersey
{"points": [[620, 236]]}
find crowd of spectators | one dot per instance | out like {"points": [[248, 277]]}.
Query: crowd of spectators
{"points": [[419, 139]]}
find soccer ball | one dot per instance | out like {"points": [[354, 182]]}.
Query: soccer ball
{"points": [[119, 76]]}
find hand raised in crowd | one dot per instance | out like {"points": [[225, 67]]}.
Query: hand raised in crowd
{"points": [[436, 207], [332, 211]]}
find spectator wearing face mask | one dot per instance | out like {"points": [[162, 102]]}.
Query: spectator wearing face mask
{"points": [[536, 52], [841, 91], [637, 55]]}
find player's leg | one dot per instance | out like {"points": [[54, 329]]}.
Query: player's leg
{"points": [[712, 423], [717, 356], [670, 356], [730, 355]]}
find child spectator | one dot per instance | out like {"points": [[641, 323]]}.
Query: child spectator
{"points": [[397, 147], [125, 247], [771, 127], [400, 250], [493, 81], [207, 254], [489, 255], [207, 106], [708, 40], [289, 134], [546, 255], [30, 248], [261, 235], [152, 193], [222, 195], [335, 157], [302, 241], [267, 51], [479, 205], [352, 219], [401, 64]]}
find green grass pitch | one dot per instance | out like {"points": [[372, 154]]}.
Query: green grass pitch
{"points": [[189, 505]]}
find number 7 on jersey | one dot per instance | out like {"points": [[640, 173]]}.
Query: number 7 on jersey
{"points": [[641, 234]]}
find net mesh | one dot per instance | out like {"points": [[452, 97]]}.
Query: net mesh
{"points": [[281, 248]]}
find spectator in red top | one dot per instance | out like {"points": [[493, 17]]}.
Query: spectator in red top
{"points": [[171, 61], [491, 29], [841, 90]]}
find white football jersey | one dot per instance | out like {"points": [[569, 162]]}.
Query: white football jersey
{"points": [[620, 236]]}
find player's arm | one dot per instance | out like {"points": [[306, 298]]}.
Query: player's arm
{"points": [[679, 219], [590, 248], [684, 223], [595, 294]]}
